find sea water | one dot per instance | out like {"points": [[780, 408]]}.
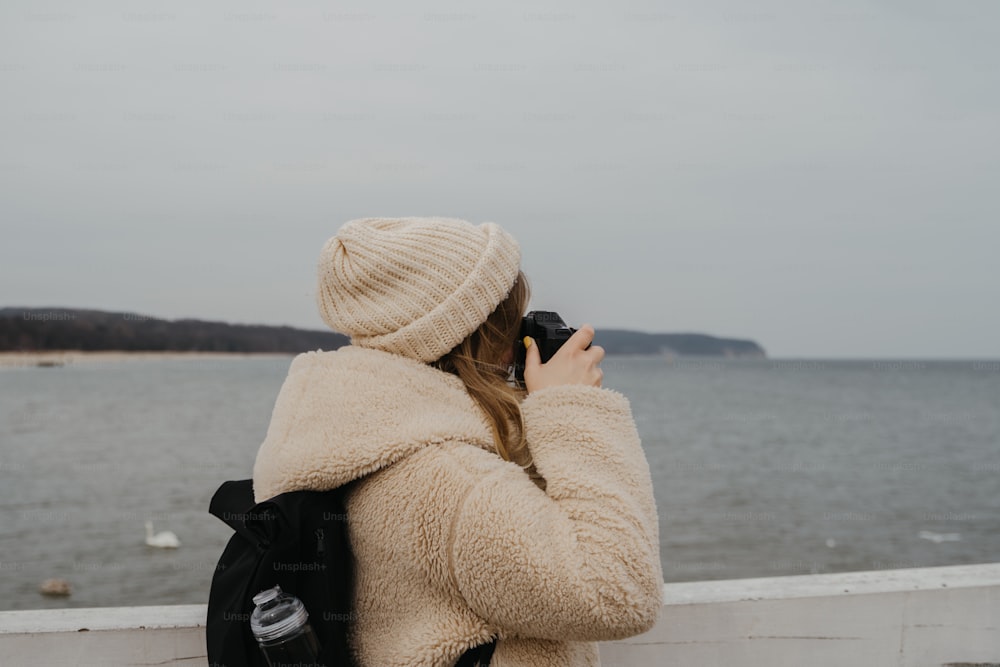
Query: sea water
{"points": [[760, 467]]}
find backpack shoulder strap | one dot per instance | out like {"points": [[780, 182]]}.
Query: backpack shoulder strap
{"points": [[231, 501]]}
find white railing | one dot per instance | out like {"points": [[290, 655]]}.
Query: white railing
{"points": [[918, 617]]}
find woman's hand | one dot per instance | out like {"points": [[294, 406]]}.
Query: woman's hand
{"points": [[572, 364]]}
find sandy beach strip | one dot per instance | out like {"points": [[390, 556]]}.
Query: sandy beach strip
{"points": [[67, 357]]}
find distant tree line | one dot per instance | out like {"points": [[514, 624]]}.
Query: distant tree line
{"points": [[31, 329], [27, 329]]}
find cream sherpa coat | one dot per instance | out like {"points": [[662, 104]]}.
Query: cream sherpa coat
{"points": [[455, 545]]}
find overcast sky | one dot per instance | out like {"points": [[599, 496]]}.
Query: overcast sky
{"points": [[820, 177]]}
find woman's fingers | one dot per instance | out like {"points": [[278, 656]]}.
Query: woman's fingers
{"points": [[532, 357], [583, 337], [597, 352], [532, 362]]}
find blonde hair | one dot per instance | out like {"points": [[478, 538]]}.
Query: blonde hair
{"points": [[479, 361]]}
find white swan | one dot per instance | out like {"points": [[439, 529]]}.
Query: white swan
{"points": [[164, 540]]}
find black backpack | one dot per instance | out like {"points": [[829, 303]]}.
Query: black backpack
{"points": [[299, 541]]}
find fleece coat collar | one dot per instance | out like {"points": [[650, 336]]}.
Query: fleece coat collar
{"points": [[316, 440]]}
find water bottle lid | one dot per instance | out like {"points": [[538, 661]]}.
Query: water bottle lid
{"points": [[267, 596], [277, 614]]}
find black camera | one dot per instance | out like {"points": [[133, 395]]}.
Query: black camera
{"points": [[549, 333]]}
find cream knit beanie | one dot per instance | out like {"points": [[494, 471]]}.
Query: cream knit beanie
{"points": [[414, 286]]}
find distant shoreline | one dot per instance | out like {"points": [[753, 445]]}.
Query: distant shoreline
{"points": [[67, 357]]}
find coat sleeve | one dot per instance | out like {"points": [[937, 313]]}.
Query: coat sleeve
{"points": [[579, 560]]}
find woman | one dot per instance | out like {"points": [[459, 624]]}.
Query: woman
{"points": [[476, 512]]}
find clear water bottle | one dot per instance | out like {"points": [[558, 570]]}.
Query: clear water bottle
{"points": [[280, 624]]}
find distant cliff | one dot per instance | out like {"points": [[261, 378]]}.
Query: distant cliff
{"points": [[35, 329], [616, 341]]}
